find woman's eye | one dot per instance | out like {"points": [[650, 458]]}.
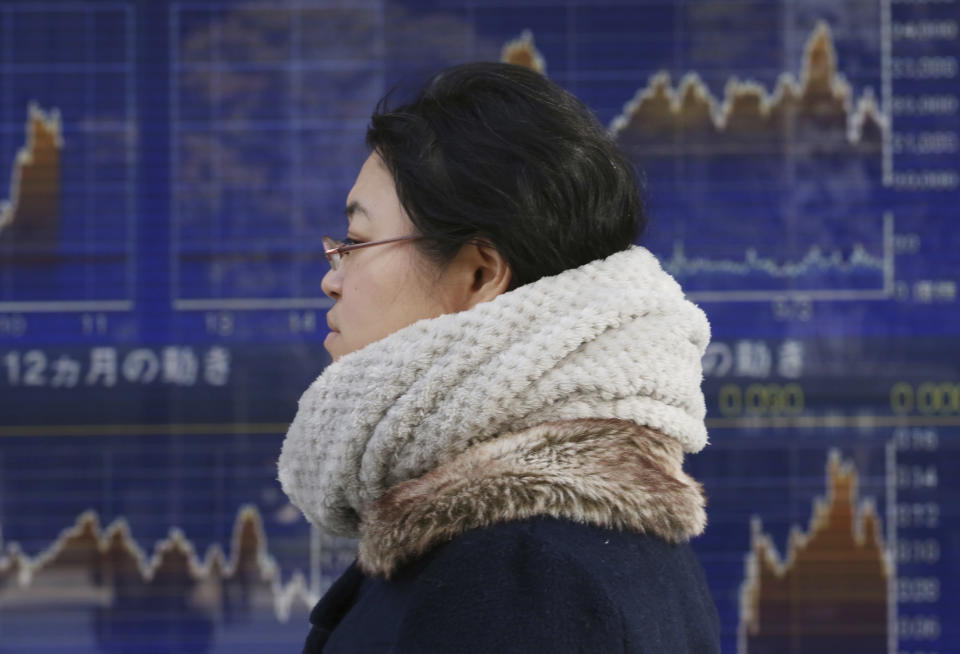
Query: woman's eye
{"points": [[350, 241]]}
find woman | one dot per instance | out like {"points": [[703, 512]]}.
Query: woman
{"points": [[513, 386]]}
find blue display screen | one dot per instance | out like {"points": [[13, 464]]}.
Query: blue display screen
{"points": [[167, 171]]}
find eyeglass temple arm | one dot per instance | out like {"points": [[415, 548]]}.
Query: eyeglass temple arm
{"points": [[356, 246]]}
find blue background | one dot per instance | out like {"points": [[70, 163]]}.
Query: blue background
{"points": [[208, 146]]}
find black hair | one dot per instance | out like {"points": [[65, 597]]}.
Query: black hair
{"points": [[500, 153]]}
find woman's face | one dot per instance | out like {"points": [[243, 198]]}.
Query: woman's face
{"points": [[381, 289]]}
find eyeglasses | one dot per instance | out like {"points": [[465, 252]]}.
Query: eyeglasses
{"points": [[335, 250]]}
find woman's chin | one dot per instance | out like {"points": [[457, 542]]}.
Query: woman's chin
{"points": [[331, 343], [338, 346]]}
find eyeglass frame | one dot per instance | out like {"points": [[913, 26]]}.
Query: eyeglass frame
{"points": [[335, 254]]}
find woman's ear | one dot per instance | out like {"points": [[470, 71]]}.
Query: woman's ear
{"points": [[483, 273]]}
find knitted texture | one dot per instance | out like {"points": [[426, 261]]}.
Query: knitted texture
{"points": [[614, 338]]}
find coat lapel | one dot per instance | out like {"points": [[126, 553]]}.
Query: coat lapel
{"points": [[331, 608]]}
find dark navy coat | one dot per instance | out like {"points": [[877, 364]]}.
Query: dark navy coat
{"points": [[535, 585]]}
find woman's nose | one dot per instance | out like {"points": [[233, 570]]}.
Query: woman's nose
{"points": [[332, 284]]}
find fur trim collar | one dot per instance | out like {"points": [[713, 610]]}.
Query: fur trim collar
{"points": [[610, 473]]}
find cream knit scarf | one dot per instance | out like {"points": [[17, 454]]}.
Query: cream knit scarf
{"points": [[614, 338]]}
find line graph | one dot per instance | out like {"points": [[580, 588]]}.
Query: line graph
{"points": [[181, 539], [32, 207], [68, 209], [881, 269], [820, 96], [96, 562], [829, 592], [807, 128]]}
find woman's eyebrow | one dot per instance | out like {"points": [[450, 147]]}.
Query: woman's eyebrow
{"points": [[355, 207]]}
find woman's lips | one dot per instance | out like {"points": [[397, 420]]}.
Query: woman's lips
{"points": [[333, 335]]}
